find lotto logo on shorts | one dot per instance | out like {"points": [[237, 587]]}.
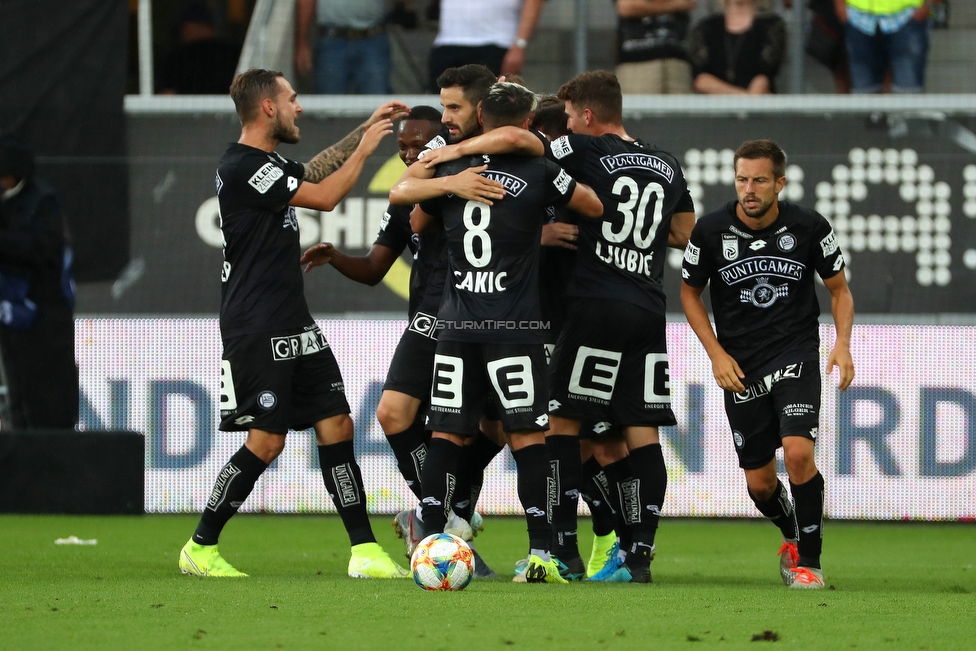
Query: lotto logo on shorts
{"points": [[594, 373], [292, 346]]}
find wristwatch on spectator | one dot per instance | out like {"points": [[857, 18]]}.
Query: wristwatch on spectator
{"points": [[521, 43]]}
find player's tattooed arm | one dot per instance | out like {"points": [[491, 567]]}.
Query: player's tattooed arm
{"points": [[329, 160]]}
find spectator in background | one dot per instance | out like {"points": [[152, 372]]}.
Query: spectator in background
{"points": [[352, 47], [882, 34], [825, 42], [200, 63], [737, 51], [493, 33], [652, 46], [37, 327]]}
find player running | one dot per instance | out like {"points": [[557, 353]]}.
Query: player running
{"points": [[759, 255], [278, 372]]}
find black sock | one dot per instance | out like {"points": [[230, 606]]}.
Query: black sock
{"points": [[617, 473], [651, 477], [483, 451], [344, 482], [595, 492], [234, 483], [438, 480], [533, 462], [779, 510], [809, 500], [461, 504], [565, 470], [410, 450]]}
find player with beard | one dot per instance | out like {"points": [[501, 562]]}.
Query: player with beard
{"points": [[616, 374], [491, 339], [759, 255], [277, 371]]}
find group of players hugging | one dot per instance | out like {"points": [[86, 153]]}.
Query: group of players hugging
{"points": [[539, 230]]}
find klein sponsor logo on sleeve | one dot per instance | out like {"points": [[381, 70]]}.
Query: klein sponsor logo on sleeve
{"points": [[562, 182], [293, 346], [692, 254], [561, 148], [637, 161], [385, 221], [435, 143], [829, 244], [265, 177]]}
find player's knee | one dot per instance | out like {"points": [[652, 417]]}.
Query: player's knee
{"points": [[798, 461], [392, 419], [762, 489]]}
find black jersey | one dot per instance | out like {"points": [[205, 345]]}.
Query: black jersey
{"points": [[763, 297], [621, 256], [492, 287], [429, 257], [262, 286], [555, 269]]}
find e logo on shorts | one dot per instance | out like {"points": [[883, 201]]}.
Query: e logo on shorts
{"points": [[267, 399]]}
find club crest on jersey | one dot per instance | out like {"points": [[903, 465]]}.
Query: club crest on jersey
{"points": [[513, 185], [632, 161], [786, 242], [265, 177], [730, 246], [763, 294]]}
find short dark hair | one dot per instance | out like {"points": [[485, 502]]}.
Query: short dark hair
{"points": [[473, 78], [507, 104], [756, 149], [424, 112], [550, 117], [249, 88], [597, 90]]}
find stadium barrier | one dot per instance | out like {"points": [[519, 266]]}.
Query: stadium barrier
{"points": [[64, 471], [899, 444]]}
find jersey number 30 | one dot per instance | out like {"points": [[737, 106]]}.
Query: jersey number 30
{"points": [[634, 221]]}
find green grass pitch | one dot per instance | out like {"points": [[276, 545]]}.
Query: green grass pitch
{"points": [[893, 586]]}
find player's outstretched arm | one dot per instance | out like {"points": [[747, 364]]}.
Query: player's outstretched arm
{"points": [[725, 369], [469, 184], [842, 308], [503, 140], [326, 194], [682, 224], [585, 202], [329, 160], [368, 269]]}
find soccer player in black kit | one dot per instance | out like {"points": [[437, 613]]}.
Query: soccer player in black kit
{"points": [[759, 255], [277, 370], [610, 363], [491, 338]]}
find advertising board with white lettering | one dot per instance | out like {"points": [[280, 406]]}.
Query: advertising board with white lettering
{"points": [[900, 443]]}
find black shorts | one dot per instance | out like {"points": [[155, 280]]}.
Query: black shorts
{"points": [[589, 429], [610, 365], [784, 403], [279, 381], [467, 375], [413, 361]]}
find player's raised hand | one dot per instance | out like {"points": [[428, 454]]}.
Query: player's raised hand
{"points": [[317, 255], [840, 357], [393, 110], [560, 234], [431, 158], [727, 373], [470, 185], [374, 134]]}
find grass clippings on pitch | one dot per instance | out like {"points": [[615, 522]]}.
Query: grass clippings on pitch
{"points": [[893, 586]]}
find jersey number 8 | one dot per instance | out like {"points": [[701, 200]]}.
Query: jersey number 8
{"points": [[477, 232]]}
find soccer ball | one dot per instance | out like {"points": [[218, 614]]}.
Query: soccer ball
{"points": [[442, 562]]}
